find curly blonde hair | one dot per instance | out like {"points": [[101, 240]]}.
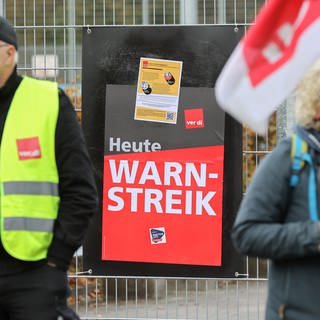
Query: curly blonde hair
{"points": [[307, 94]]}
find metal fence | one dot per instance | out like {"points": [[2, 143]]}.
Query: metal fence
{"points": [[50, 36]]}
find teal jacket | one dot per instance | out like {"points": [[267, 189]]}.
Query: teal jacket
{"points": [[273, 223]]}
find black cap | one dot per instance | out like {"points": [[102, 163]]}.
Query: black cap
{"points": [[7, 33]]}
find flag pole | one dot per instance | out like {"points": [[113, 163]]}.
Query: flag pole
{"points": [[285, 118]]}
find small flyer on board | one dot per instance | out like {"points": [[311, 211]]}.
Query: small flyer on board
{"points": [[158, 90]]}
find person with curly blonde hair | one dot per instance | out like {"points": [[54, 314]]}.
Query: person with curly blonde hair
{"points": [[274, 221], [307, 105]]}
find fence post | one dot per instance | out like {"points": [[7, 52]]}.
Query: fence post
{"points": [[145, 12], [285, 118], [188, 12], [2, 8], [71, 40], [221, 12]]}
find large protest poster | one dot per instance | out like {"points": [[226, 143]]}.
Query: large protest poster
{"points": [[170, 178], [159, 204]]}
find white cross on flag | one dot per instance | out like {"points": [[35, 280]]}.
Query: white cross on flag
{"points": [[269, 61]]}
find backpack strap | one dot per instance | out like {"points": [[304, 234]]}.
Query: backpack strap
{"points": [[298, 148], [300, 156]]}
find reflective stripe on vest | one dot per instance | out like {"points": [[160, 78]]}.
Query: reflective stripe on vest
{"points": [[28, 224], [29, 177], [30, 187]]}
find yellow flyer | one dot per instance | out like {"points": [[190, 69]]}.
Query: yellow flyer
{"points": [[158, 90]]}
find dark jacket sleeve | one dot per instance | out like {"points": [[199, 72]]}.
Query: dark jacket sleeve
{"points": [[77, 190], [269, 223]]}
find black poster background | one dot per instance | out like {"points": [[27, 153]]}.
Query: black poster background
{"points": [[111, 58]]}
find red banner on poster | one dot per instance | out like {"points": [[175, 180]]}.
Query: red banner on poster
{"points": [[164, 206]]}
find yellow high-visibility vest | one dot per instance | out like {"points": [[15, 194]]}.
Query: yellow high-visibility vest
{"points": [[29, 199]]}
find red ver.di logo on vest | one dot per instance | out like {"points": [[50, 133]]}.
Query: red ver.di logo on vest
{"points": [[29, 148]]}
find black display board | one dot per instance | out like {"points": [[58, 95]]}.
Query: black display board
{"points": [[111, 57]]}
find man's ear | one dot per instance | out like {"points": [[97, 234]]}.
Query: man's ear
{"points": [[11, 50]]}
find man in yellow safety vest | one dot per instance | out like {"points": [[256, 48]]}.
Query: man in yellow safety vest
{"points": [[47, 191]]}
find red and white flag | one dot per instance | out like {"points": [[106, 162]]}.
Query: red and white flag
{"points": [[269, 61]]}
